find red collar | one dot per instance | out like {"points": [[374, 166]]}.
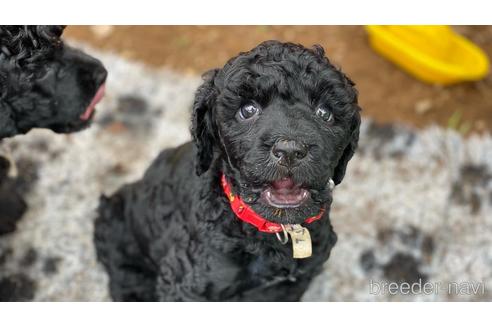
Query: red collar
{"points": [[246, 213]]}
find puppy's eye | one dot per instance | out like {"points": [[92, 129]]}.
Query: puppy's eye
{"points": [[325, 114], [249, 111]]}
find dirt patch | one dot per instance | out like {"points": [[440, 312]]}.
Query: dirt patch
{"points": [[387, 94]]}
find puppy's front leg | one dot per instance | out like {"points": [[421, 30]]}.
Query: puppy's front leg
{"points": [[203, 276]]}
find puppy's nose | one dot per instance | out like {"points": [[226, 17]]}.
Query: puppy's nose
{"points": [[289, 152], [100, 74]]}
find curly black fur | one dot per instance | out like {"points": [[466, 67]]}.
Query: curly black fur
{"points": [[172, 235], [43, 82]]}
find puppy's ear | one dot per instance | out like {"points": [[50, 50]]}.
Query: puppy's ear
{"points": [[202, 121], [349, 150]]}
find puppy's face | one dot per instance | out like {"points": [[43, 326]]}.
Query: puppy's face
{"points": [[284, 122], [44, 83]]}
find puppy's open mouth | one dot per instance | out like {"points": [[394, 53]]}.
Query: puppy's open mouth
{"points": [[87, 114], [284, 193]]}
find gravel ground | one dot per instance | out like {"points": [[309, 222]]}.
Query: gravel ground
{"points": [[415, 206]]}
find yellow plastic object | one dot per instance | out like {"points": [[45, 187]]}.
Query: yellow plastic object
{"points": [[434, 54]]}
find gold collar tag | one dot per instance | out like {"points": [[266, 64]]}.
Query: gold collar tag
{"points": [[301, 241]]}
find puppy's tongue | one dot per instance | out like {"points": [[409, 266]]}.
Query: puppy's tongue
{"points": [[90, 109], [285, 183]]}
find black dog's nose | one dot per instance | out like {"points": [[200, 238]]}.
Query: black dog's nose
{"points": [[100, 74], [288, 152]]}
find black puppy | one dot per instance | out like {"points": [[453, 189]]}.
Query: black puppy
{"points": [[273, 130], [43, 84]]}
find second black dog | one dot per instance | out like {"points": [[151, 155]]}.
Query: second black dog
{"points": [[43, 84]]}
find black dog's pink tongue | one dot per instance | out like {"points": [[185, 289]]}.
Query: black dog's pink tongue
{"points": [[86, 115], [285, 183]]}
